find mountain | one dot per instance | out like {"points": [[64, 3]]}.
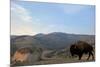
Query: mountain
{"points": [[55, 40]]}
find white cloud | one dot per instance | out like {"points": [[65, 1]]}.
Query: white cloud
{"points": [[21, 20], [21, 12]]}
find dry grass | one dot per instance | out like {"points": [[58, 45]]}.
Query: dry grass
{"points": [[63, 60]]}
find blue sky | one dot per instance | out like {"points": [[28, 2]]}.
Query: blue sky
{"points": [[30, 18]]}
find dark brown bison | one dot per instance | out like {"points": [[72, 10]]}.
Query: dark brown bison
{"points": [[81, 48]]}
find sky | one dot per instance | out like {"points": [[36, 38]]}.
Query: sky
{"points": [[30, 18]]}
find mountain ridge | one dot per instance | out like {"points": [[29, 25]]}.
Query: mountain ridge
{"points": [[50, 41]]}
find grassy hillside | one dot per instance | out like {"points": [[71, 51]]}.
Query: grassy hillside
{"points": [[55, 46]]}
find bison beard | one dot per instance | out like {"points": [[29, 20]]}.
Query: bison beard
{"points": [[80, 48]]}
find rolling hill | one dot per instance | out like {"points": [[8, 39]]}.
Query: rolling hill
{"points": [[56, 40]]}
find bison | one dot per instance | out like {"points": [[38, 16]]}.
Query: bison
{"points": [[81, 48]]}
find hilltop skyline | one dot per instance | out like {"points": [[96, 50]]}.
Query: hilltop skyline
{"points": [[30, 18]]}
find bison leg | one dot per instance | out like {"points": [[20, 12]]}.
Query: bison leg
{"points": [[80, 56], [90, 53], [89, 56], [72, 54]]}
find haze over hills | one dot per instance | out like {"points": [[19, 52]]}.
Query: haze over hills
{"points": [[56, 40]]}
